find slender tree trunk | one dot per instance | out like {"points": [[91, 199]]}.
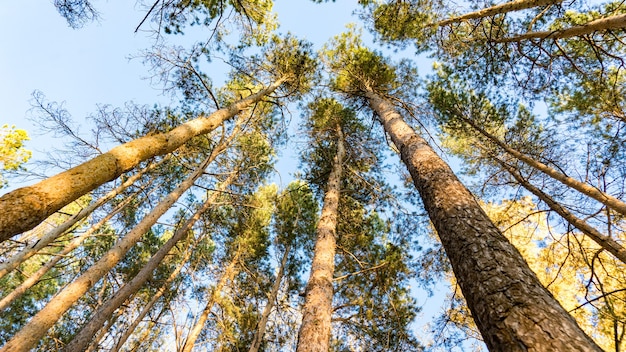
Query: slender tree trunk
{"points": [[582, 187], [511, 6], [31, 333], [314, 334], [148, 307], [606, 242], [34, 278], [26, 207], [601, 24], [13, 262], [227, 275], [260, 331], [82, 339], [513, 311]]}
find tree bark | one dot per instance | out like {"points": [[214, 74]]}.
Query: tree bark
{"points": [[13, 262], [106, 310], [26, 207], [606, 242], [31, 333], [260, 331], [511, 6], [34, 278], [582, 187], [601, 24], [513, 311], [314, 334]]}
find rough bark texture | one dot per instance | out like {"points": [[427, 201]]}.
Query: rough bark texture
{"points": [[260, 329], [499, 9], [606, 242], [581, 187], [26, 207], [31, 333], [513, 311], [106, 310], [602, 24], [314, 334]]}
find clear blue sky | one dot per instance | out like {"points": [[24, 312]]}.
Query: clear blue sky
{"points": [[90, 66]]}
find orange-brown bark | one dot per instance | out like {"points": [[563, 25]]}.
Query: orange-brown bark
{"points": [[511, 308], [314, 334]]}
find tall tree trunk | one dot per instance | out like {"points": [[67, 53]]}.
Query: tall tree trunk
{"points": [[13, 262], [106, 310], [511, 6], [228, 274], [260, 330], [314, 334], [601, 24], [582, 187], [513, 311], [34, 278], [31, 333], [128, 331], [26, 207], [606, 242]]}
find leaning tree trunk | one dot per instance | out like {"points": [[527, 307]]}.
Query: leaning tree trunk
{"points": [[606, 242], [314, 334], [584, 188], [31, 333], [513, 311], [511, 6], [260, 329], [601, 24], [104, 313], [26, 207]]}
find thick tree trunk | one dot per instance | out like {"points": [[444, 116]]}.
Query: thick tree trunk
{"points": [[34, 278], [601, 24], [513, 311], [581, 187], [228, 274], [106, 310], [314, 334], [31, 333], [26, 207], [606, 242], [511, 6], [260, 330], [13, 262]]}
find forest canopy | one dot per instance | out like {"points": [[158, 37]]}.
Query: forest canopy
{"points": [[438, 176]]}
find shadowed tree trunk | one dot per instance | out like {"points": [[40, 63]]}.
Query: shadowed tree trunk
{"points": [[314, 334], [513, 311], [104, 313], [499, 9], [26, 207]]}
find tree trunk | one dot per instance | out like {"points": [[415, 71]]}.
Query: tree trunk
{"points": [[314, 334], [26, 207], [513, 311], [34, 278], [82, 339], [511, 6], [31, 333], [606, 242], [601, 24], [582, 187], [260, 331], [195, 331], [13, 262]]}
